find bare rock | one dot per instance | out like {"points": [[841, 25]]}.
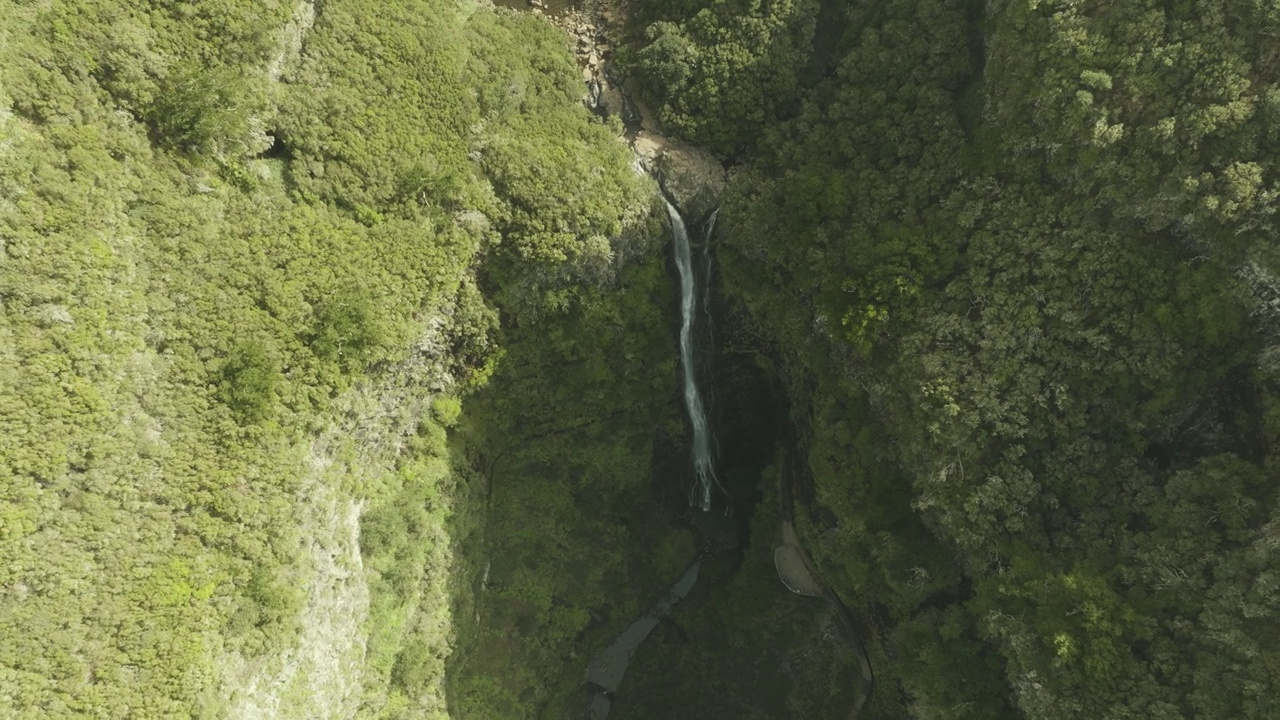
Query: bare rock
{"points": [[690, 176], [610, 99]]}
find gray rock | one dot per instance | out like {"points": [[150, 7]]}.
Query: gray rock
{"points": [[610, 100], [690, 176], [629, 111]]}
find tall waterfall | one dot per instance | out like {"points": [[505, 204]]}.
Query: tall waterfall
{"points": [[700, 494], [606, 669]]}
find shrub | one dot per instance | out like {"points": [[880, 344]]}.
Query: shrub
{"points": [[346, 330], [446, 409], [205, 111], [248, 384]]}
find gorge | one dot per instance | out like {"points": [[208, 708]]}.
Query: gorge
{"points": [[349, 369]]}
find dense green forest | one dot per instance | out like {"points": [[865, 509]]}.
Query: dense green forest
{"points": [[338, 370], [1016, 257], [240, 277]]}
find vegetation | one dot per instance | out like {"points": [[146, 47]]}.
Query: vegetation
{"points": [[1017, 259], [215, 364], [574, 548], [743, 646], [722, 71], [337, 373]]}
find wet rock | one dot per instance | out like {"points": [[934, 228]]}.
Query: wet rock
{"points": [[593, 93], [630, 113], [611, 102]]}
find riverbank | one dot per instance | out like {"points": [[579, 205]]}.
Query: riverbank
{"points": [[741, 646]]}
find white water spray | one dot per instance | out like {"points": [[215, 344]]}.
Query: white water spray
{"points": [[701, 493]]}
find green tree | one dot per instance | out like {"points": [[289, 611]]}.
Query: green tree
{"points": [[249, 379], [206, 111], [346, 329]]}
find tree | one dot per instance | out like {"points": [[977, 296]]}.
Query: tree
{"points": [[206, 111]]}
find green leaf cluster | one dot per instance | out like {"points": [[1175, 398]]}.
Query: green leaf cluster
{"points": [[721, 72]]}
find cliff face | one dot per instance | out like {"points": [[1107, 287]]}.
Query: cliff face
{"points": [[353, 472], [690, 176]]}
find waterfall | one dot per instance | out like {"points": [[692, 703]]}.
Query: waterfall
{"points": [[706, 265], [692, 398], [606, 669]]}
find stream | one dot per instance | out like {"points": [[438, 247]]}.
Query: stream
{"points": [[606, 670], [712, 513]]}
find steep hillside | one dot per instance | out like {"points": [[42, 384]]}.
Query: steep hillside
{"points": [[338, 357], [239, 257]]}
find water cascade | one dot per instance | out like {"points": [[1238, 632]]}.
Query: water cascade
{"points": [[706, 265], [606, 669], [700, 494]]}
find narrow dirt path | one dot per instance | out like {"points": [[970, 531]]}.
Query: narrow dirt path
{"points": [[798, 572]]}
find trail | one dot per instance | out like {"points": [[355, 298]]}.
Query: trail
{"points": [[805, 579]]}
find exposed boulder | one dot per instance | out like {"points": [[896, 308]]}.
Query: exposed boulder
{"points": [[593, 93], [611, 102], [691, 177]]}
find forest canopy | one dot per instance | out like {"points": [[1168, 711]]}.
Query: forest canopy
{"points": [[239, 253], [338, 369], [1019, 257]]}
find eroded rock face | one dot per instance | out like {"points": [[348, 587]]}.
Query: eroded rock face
{"points": [[690, 176]]}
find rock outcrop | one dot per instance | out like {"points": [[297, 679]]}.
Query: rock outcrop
{"points": [[691, 177]]}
